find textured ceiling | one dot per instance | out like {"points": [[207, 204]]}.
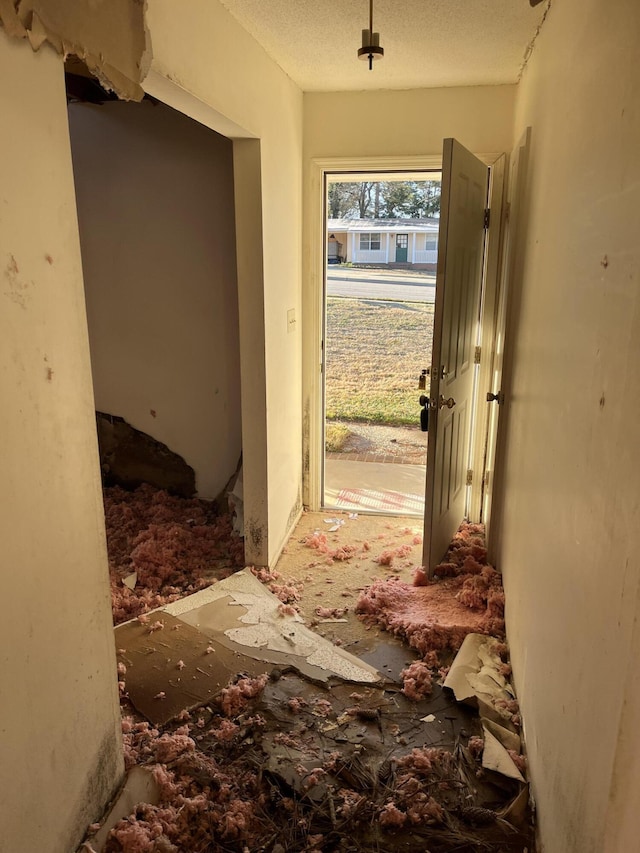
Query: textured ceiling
{"points": [[426, 42]]}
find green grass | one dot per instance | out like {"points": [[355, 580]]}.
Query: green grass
{"points": [[374, 352]]}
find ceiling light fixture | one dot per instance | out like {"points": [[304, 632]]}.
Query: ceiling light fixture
{"points": [[370, 42]]}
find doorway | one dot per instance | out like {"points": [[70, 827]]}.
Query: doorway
{"points": [[380, 234], [402, 246]]}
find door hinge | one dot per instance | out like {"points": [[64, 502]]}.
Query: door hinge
{"points": [[476, 357], [469, 477], [487, 217]]}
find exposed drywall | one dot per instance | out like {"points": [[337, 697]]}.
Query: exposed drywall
{"points": [[59, 740], [571, 514], [207, 54], [109, 36], [156, 214]]}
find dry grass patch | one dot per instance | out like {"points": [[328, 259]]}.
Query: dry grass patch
{"points": [[375, 351], [335, 437]]}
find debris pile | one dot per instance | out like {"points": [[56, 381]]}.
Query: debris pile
{"points": [[302, 768], [288, 755], [466, 596], [163, 547]]}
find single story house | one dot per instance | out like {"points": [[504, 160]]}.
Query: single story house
{"points": [[383, 242]]}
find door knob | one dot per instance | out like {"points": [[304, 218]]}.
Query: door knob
{"points": [[449, 402]]}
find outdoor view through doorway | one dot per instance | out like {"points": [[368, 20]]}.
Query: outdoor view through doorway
{"points": [[380, 283]]}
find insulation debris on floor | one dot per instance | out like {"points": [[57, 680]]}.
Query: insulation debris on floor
{"points": [[247, 730], [162, 547]]}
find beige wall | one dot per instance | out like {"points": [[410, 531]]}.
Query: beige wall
{"points": [[61, 754], [156, 214], [348, 124], [568, 548], [207, 55]]}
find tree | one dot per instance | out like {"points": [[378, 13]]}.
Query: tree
{"points": [[383, 199]]}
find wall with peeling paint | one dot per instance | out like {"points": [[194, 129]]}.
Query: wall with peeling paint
{"points": [[59, 737], [569, 546], [110, 37], [156, 214], [206, 55]]}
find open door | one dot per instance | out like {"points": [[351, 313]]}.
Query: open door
{"points": [[501, 378], [458, 286]]}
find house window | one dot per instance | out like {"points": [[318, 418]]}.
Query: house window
{"points": [[369, 242], [431, 244]]}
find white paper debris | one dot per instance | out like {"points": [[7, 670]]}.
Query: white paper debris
{"points": [[495, 757], [259, 624], [131, 580], [430, 718]]}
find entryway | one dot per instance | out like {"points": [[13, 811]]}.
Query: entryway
{"points": [[378, 326], [466, 320]]}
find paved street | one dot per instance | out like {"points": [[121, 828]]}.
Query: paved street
{"points": [[381, 284]]}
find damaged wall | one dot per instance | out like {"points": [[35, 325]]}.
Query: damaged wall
{"points": [[569, 547], [156, 215], [59, 738], [206, 54], [110, 37]]}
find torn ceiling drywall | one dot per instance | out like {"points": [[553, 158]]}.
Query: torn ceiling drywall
{"points": [[108, 35]]}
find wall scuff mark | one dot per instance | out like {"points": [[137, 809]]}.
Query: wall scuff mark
{"points": [[110, 37]]}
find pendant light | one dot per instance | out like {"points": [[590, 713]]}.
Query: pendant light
{"points": [[370, 49]]}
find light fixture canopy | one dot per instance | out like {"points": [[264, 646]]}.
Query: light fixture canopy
{"points": [[370, 49]]}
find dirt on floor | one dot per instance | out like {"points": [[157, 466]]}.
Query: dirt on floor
{"points": [[281, 763]]}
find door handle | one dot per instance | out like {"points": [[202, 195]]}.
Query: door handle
{"points": [[441, 402], [449, 402]]}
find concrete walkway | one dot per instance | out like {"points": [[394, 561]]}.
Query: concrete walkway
{"points": [[376, 487]]}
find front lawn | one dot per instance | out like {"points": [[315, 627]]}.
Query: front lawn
{"points": [[375, 351]]}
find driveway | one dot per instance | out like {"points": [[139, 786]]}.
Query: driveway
{"points": [[398, 285]]}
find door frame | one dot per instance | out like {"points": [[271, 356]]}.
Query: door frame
{"points": [[314, 248]]}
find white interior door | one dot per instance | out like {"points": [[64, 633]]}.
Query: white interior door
{"points": [[501, 367], [458, 286]]}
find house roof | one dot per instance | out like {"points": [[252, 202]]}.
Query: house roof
{"points": [[384, 225]]}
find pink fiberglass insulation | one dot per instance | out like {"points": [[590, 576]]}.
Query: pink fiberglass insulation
{"points": [[202, 803], [476, 746], [391, 817], [236, 697], [330, 612], [287, 592], [175, 545], [319, 542], [417, 680], [387, 557], [466, 596], [428, 617]]}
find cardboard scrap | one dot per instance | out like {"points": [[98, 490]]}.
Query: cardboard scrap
{"points": [[474, 674], [131, 580], [139, 786], [475, 678], [495, 757], [177, 667], [240, 613]]}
